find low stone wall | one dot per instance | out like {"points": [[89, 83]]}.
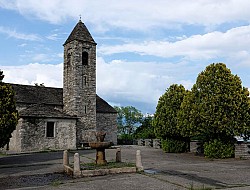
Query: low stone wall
{"points": [[141, 142], [242, 150], [155, 143], [196, 147], [149, 142], [77, 172]]}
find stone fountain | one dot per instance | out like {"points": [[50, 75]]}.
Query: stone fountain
{"points": [[100, 147]]}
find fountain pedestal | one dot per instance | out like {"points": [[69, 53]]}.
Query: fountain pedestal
{"points": [[100, 151]]}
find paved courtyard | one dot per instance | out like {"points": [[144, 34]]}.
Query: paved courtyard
{"points": [[162, 171]]}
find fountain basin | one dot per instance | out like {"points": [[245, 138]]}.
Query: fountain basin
{"points": [[99, 145]]}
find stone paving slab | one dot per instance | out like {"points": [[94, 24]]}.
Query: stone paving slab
{"points": [[117, 182], [166, 171]]}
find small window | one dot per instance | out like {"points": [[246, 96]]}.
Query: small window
{"points": [[69, 53], [85, 58], [50, 129], [85, 80], [85, 109]]}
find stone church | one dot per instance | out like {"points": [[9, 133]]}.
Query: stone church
{"points": [[68, 117]]}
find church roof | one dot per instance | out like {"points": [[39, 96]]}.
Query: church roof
{"points": [[103, 107], [42, 110], [80, 33], [28, 94], [38, 94]]}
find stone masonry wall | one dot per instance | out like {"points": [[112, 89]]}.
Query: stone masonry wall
{"points": [[79, 90], [31, 133], [15, 140], [107, 122], [242, 150]]}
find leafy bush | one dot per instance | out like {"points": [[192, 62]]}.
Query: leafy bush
{"points": [[165, 117], [125, 139], [146, 130], [218, 149], [174, 146], [8, 112], [216, 107]]}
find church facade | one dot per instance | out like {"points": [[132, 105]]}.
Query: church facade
{"points": [[65, 118]]}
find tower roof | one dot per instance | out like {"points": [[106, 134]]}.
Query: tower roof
{"points": [[80, 33]]}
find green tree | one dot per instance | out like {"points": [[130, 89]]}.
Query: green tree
{"points": [[165, 118], [8, 112], [146, 130], [217, 106], [128, 119]]}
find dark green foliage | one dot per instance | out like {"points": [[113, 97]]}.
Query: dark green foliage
{"points": [[218, 149], [125, 139], [165, 118], [174, 146], [8, 112], [146, 130], [217, 106], [1, 76], [215, 111]]}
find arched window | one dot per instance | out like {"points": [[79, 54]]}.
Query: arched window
{"points": [[85, 58], [69, 53], [68, 58]]}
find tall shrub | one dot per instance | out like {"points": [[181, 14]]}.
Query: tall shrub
{"points": [[217, 106]]}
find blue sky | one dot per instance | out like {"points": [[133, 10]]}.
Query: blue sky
{"points": [[144, 46]]}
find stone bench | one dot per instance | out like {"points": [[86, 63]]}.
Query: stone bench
{"points": [[242, 150]]}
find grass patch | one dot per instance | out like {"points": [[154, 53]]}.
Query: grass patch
{"points": [[56, 183], [3, 154], [93, 166], [87, 157]]}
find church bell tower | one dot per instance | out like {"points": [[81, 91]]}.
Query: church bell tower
{"points": [[79, 81]]}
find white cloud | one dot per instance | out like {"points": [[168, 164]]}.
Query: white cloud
{"points": [[137, 83], [50, 75], [123, 83], [234, 42], [40, 57], [47, 57], [13, 34], [53, 37], [137, 15]]}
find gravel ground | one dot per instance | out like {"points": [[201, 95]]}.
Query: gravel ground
{"points": [[52, 179]]}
